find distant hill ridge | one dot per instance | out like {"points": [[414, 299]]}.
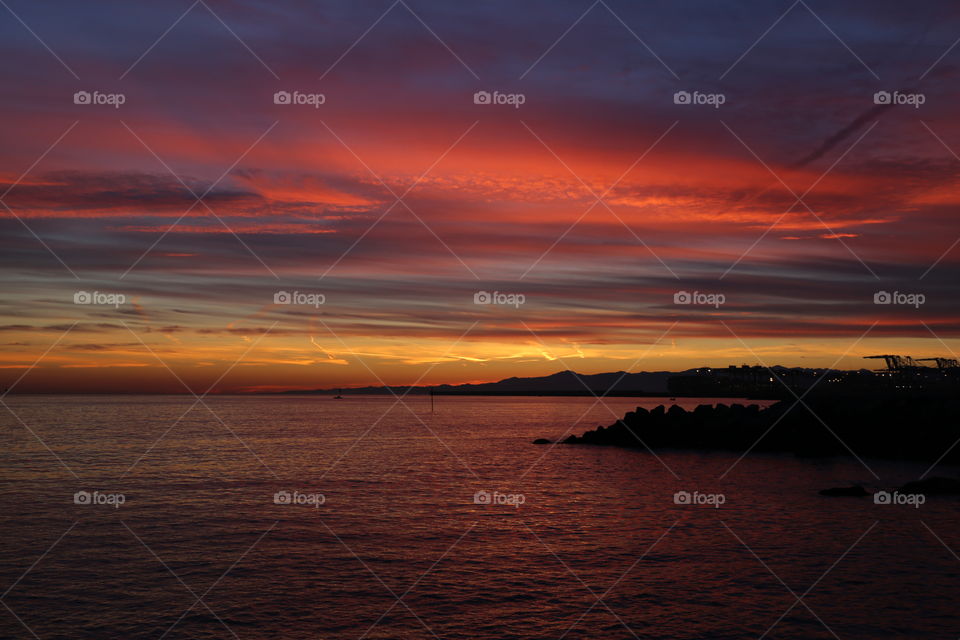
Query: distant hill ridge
{"points": [[615, 383]]}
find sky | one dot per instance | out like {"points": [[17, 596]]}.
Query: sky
{"points": [[173, 223]]}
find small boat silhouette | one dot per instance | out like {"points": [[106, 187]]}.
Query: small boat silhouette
{"points": [[338, 396]]}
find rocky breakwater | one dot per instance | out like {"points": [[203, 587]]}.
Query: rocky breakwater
{"points": [[889, 427]]}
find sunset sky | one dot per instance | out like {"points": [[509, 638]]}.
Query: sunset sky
{"points": [[399, 198]]}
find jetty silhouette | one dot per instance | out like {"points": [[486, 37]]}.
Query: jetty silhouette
{"points": [[905, 411]]}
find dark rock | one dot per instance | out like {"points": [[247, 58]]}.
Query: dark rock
{"points": [[855, 491], [703, 410], [542, 441], [825, 425], [933, 486]]}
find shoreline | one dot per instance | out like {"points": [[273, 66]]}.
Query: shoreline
{"points": [[816, 427]]}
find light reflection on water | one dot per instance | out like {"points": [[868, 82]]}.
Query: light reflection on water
{"points": [[399, 519]]}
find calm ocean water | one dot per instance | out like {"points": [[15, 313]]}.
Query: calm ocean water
{"points": [[221, 533]]}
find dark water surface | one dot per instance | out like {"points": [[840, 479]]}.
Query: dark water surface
{"points": [[399, 548]]}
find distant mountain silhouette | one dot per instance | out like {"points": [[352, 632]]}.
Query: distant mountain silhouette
{"points": [[569, 383], [562, 383]]}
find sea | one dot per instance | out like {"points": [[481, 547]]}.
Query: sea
{"points": [[308, 517]]}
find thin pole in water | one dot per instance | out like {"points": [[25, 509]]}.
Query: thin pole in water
{"points": [[431, 399]]}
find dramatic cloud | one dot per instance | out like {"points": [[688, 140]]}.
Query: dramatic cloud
{"points": [[398, 196]]}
